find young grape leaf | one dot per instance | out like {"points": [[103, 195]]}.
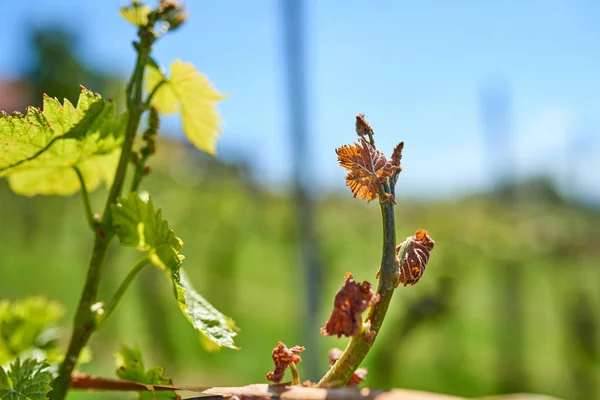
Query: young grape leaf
{"points": [[136, 14], [138, 224], [202, 315], [130, 366], [191, 93], [39, 150], [28, 380]]}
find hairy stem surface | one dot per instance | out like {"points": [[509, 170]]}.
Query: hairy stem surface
{"points": [[360, 344], [85, 318]]}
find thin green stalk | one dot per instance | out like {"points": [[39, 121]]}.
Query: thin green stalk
{"points": [[138, 174], [85, 317], [360, 344], [148, 100], [295, 375], [112, 306], [86, 198]]}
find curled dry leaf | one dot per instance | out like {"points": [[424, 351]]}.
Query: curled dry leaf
{"points": [[282, 358], [363, 128], [350, 302], [417, 256], [358, 376], [367, 168]]}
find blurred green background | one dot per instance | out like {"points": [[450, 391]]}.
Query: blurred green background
{"points": [[509, 301]]}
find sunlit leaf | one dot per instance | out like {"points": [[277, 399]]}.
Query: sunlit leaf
{"points": [[164, 99], [130, 366], [191, 93], [202, 315], [39, 150], [136, 14], [28, 380], [139, 225]]}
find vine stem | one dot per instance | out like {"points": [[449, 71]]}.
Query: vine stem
{"points": [[112, 305], [86, 198], [360, 344], [85, 318]]}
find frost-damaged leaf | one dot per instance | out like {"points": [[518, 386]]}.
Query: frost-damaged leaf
{"points": [[282, 358], [136, 14], [202, 315], [139, 225], [358, 376], [416, 259], [28, 380], [368, 168], [130, 366], [350, 302], [191, 93], [363, 128], [39, 150]]}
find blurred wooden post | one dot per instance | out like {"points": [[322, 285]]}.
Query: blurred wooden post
{"points": [[292, 19], [495, 107], [583, 330]]}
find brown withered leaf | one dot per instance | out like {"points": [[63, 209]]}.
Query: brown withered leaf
{"points": [[397, 156], [367, 168], [358, 376], [282, 358], [350, 302], [363, 128], [417, 256]]}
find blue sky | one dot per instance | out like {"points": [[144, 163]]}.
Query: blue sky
{"points": [[416, 70]]}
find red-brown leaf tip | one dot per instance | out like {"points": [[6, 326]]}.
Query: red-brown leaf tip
{"points": [[397, 156]]}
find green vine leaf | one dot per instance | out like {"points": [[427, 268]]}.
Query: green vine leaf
{"points": [[28, 380], [136, 14], [130, 366], [138, 224], [191, 93], [39, 150], [28, 326], [202, 315]]}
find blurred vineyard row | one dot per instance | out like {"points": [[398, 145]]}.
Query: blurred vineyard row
{"points": [[508, 303]]}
